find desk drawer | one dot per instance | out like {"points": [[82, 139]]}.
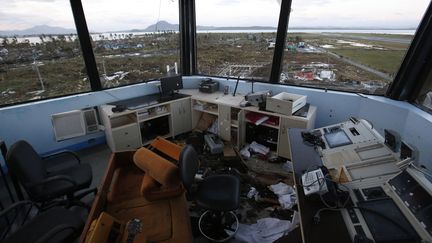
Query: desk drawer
{"points": [[127, 137]]}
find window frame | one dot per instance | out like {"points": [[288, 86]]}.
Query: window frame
{"points": [[277, 59], [408, 82], [282, 34], [416, 65]]}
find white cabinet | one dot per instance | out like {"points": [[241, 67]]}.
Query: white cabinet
{"points": [[283, 148], [127, 137], [131, 129], [286, 122], [224, 122], [241, 128], [181, 116]]}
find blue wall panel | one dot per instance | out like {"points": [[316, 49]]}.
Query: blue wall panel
{"points": [[32, 121]]}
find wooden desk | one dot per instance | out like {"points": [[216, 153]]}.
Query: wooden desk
{"points": [[128, 129], [331, 227], [235, 126]]}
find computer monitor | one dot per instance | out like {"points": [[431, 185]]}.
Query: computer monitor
{"points": [[171, 84], [337, 138]]}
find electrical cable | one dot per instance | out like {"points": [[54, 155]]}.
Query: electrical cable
{"points": [[348, 197], [323, 200], [158, 18], [328, 207], [312, 140], [312, 183], [317, 217]]}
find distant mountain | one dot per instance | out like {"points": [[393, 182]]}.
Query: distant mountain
{"points": [[164, 25], [160, 26], [349, 28], [38, 30], [200, 27]]}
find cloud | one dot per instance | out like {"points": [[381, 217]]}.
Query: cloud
{"points": [[105, 15]]}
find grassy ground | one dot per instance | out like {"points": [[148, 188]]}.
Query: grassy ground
{"points": [[385, 56], [387, 61]]}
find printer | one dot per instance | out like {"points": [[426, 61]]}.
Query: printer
{"points": [[208, 85]]}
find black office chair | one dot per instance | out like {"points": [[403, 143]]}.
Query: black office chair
{"points": [[48, 187], [219, 194], [56, 225]]}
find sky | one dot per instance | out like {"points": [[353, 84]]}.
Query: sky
{"points": [[115, 15]]}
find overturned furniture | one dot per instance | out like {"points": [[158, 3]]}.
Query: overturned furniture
{"points": [[143, 185]]}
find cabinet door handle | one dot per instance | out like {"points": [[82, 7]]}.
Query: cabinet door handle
{"points": [[126, 133]]}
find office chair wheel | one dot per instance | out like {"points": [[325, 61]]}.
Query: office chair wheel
{"points": [[218, 226]]}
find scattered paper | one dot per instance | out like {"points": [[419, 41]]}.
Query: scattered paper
{"points": [[286, 194], [254, 147], [288, 166], [281, 189], [287, 201], [266, 230], [258, 148], [261, 120], [245, 152], [295, 221], [214, 127], [253, 193]]}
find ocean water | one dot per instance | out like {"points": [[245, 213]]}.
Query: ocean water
{"points": [[371, 31], [111, 35]]}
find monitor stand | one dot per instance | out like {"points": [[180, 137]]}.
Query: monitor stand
{"points": [[170, 96]]}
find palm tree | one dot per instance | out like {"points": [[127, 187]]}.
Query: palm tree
{"points": [[5, 41], [14, 40], [41, 37]]}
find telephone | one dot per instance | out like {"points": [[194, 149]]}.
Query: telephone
{"points": [[314, 182]]}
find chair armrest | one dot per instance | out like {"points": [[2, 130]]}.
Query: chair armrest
{"points": [[52, 179], [50, 234], [63, 153], [15, 206]]}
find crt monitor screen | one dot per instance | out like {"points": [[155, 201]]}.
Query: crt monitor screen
{"points": [[337, 139], [170, 84]]}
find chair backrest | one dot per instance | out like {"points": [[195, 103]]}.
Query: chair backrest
{"points": [[167, 147], [25, 163], [188, 164]]}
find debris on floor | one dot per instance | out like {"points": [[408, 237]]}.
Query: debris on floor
{"points": [[254, 147], [266, 230], [267, 209], [286, 194]]}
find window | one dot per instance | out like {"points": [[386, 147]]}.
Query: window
{"points": [[236, 38], [354, 46], [424, 98], [133, 40], [40, 54]]}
